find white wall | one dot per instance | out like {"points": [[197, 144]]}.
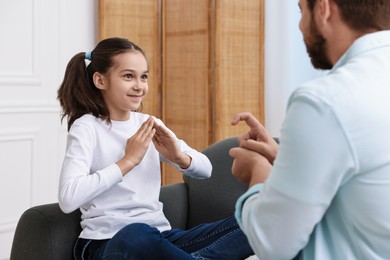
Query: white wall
{"points": [[38, 37], [286, 62]]}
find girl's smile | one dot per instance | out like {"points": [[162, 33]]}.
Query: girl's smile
{"points": [[136, 98]]}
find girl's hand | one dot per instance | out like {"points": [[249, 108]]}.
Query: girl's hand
{"points": [[136, 146], [166, 145]]}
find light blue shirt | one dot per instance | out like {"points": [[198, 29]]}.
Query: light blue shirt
{"points": [[328, 194]]}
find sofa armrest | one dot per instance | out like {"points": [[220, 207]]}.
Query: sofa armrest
{"points": [[175, 204], [44, 232]]}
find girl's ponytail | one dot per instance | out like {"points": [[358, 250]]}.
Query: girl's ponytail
{"points": [[77, 93]]}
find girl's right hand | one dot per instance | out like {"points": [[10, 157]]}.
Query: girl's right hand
{"points": [[136, 146]]}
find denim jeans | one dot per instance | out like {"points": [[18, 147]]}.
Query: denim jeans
{"points": [[222, 239]]}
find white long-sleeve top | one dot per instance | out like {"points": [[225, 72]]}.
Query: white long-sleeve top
{"points": [[92, 181], [328, 194]]}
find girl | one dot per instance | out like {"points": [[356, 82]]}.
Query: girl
{"points": [[111, 169]]}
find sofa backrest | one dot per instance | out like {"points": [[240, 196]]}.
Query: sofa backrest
{"points": [[214, 198]]}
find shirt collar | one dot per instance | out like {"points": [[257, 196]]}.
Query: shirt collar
{"points": [[363, 44]]}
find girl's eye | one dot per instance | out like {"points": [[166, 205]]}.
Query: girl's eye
{"points": [[144, 77], [128, 76]]}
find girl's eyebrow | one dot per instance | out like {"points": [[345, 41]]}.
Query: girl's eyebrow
{"points": [[134, 71]]}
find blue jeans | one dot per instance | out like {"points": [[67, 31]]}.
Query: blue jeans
{"points": [[222, 239]]}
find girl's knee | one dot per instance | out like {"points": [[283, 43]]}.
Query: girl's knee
{"points": [[136, 235], [134, 241], [134, 228]]}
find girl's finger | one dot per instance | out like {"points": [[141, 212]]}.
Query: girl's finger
{"points": [[146, 128], [161, 130]]}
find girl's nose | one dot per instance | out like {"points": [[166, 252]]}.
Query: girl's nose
{"points": [[138, 85]]}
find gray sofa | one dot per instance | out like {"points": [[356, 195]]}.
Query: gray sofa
{"points": [[44, 232]]}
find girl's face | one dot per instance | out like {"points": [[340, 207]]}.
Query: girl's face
{"points": [[125, 84]]}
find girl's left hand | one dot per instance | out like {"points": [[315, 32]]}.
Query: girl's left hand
{"points": [[166, 145]]}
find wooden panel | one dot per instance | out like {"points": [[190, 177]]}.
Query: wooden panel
{"points": [[138, 21], [186, 69], [238, 63], [206, 60], [186, 106]]}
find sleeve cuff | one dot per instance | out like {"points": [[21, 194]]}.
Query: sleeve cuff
{"points": [[241, 200], [111, 175]]}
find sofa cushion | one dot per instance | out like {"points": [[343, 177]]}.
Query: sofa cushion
{"points": [[214, 198], [175, 204]]}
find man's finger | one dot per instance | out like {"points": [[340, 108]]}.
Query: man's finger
{"points": [[250, 120], [253, 145], [244, 137], [233, 152], [261, 148]]}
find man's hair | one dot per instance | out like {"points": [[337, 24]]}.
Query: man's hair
{"points": [[363, 15]]}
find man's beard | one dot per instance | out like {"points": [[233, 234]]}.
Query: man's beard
{"points": [[316, 47]]}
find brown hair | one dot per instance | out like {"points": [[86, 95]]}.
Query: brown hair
{"points": [[77, 94], [363, 15]]}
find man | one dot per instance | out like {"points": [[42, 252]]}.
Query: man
{"points": [[324, 193]]}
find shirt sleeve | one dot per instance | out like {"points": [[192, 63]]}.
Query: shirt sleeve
{"points": [[200, 167], [313, 161], [241, 200], [77, 185]]}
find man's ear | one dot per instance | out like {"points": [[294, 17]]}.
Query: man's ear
{"points": [[324, 11], [99, 80]]}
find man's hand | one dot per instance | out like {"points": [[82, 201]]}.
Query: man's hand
{"points": [[257, 139], [249, 166]]}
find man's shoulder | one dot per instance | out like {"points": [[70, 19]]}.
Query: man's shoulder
{"points": [[314, 88]]}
